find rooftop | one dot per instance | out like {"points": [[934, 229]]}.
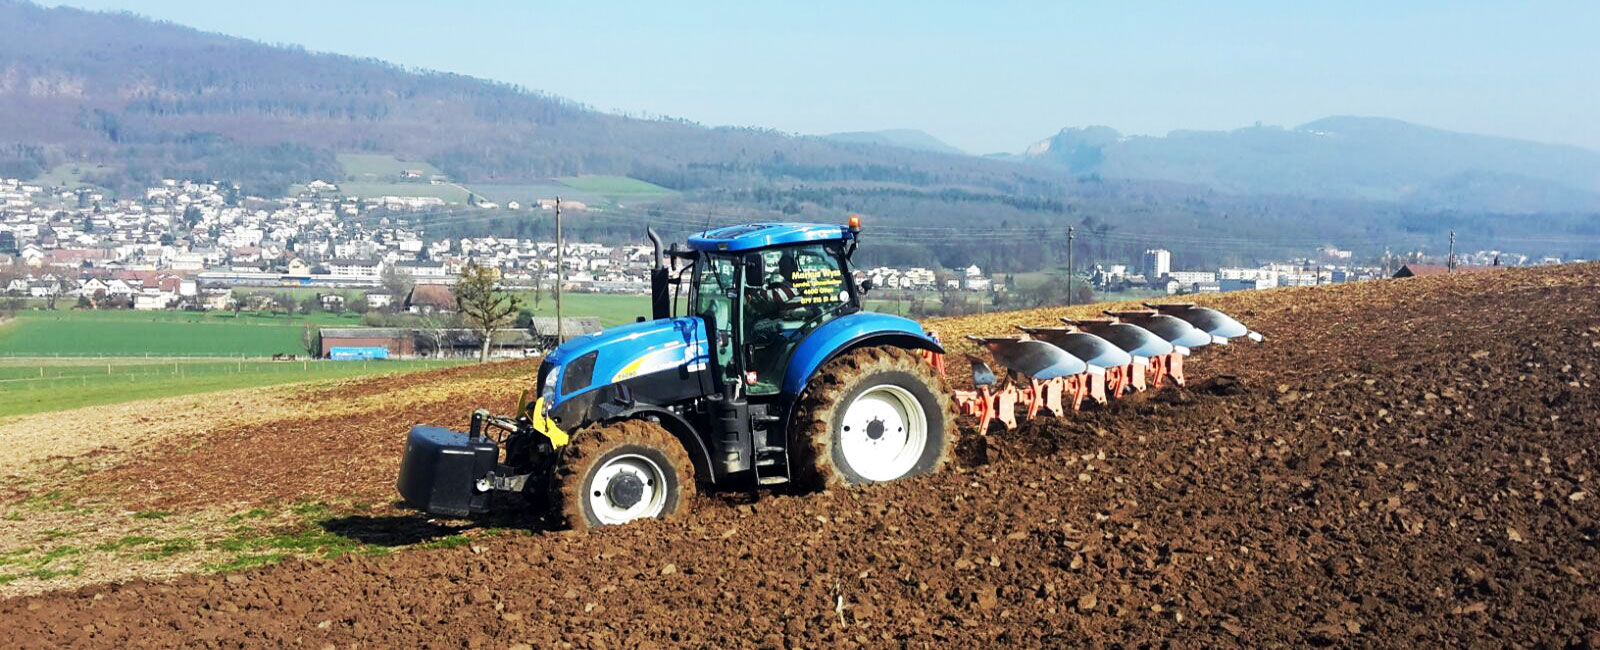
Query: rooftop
{"points": [[761, 235]]}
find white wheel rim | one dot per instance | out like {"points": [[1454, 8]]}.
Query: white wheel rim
{"points": [[652, 500], [883, 433]]}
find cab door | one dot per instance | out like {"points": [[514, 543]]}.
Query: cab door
{"points": [[716, 294], [788, 292]]}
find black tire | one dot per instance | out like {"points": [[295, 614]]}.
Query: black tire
{"points": [[632, 446], [817, 451]]}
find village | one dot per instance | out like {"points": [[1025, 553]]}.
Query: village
{"points": [[189, 245]]}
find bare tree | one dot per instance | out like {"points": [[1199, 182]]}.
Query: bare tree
{"points": [[311, 339], [485, 306], [286, 303], [396, 282], [431, 329]]}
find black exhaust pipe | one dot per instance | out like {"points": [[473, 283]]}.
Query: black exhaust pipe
{"points": [[660, 293]]}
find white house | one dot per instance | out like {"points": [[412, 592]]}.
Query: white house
{"points": [[355, 268], [153, 300], [217, 300], [379, 299]]}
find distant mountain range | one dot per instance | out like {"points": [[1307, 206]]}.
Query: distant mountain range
{"points": [[153, 98], [1344, 158]]}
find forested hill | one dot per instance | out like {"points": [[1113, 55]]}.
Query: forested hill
{"points": [[172, 100], [908, 138]]}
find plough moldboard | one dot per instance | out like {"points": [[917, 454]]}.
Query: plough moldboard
{"points": [[1054, 370]]}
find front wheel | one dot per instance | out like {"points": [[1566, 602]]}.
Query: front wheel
{"points": [[872, 415], [622, 472]]}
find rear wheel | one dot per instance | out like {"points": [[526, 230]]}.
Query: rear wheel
{"points": [[622, 472], [872, 415]]}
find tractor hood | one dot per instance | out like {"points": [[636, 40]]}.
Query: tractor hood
{"points": [[609, 356]]}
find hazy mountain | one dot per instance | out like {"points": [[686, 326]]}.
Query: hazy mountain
{"points": [[906, 138], [152, 98], [1345, 157]]}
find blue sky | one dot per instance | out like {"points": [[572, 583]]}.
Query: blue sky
{"points": [[986, 77]]}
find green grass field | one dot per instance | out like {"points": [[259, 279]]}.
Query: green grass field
{"points": [[611, 309], [40, 385], [527, 194], [616, 186], [377, 167], [72, 333], [69, 174]]}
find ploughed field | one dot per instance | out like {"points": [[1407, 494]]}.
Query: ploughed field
{"points": [[1402, 463]]}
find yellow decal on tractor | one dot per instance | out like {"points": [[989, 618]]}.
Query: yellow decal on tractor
{"points": [[545, 426]]}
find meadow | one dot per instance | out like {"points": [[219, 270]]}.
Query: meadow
{"points": [[122, 333], [612, 309], [616, 186], [38, 385], [373, 167]]}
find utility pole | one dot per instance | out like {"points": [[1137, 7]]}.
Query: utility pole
{"points": [[1069, 265], [1452, 262], [561, 258]]}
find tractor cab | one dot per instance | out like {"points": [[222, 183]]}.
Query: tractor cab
{"points": [[761, 289]]}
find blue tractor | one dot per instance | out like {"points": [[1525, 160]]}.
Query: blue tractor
{"points": [[759, 368]]}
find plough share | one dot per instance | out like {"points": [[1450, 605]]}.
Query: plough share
{"points": [[1055, 370]]}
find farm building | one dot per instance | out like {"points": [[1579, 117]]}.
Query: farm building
{"points": [[400, 342], [430, 299], [543, 329], [404, 343]]}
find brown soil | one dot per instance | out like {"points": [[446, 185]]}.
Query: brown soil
{"points": [[344, 443], [1403, 463]]}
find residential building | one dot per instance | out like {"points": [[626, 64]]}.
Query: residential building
{"points": [[1156, 263]]}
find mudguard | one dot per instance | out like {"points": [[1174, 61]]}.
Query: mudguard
{"points": [[849, 332]]}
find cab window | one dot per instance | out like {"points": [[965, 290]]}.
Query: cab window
{"points": [[802, 288], [715, 288]]}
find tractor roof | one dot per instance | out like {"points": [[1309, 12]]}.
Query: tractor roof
{"points": [[762, 235]]}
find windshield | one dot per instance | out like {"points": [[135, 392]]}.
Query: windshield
{"points": [[759, 305]]}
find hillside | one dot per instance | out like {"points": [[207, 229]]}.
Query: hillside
{"points": [[161, 99], [1345, 158], [905, 138], [1426, 483]]}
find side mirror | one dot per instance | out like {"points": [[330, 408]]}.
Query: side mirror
{"points": [[755, 271], [867, 285]]}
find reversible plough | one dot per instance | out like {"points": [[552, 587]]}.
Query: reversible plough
{"points": [[1054, 370]]}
